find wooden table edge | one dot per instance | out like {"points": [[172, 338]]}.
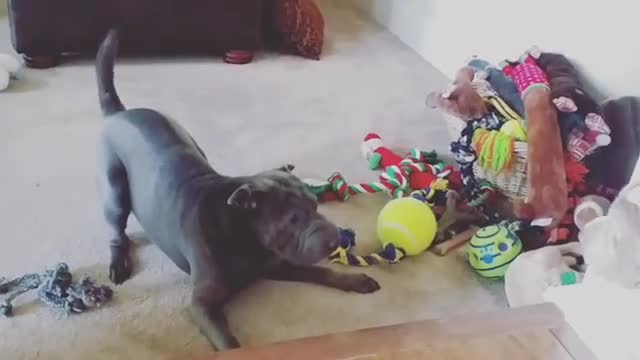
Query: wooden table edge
{"points": [[409, 336]]}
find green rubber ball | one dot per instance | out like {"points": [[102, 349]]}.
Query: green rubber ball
{"points": [[492, 249]]}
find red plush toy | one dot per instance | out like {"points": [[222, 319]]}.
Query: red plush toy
{"points": [[381, 157], [546, 175]]}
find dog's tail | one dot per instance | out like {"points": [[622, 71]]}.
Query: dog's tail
{"points": [[109, 100]]}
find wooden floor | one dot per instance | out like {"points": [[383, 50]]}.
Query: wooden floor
{"points": [[537, 332]]}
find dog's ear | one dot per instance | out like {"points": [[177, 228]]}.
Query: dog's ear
{"points": [[242, 197], [287, 168]]}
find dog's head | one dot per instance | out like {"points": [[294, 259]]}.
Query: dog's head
{"points": [[462, 100], [611, 242], [285, 216]]}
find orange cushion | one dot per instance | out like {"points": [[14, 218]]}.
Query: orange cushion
{"points": [[300, 25]]}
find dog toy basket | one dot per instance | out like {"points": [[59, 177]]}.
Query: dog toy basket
{"points": [[511, 183]]}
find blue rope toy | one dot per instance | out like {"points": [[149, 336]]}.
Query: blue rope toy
{"points": [[56, 289]]}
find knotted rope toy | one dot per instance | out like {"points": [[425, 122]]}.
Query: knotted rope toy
{"points": [[393, 181], [342, 255], [399, 177], [413, 215], [56, 288]]}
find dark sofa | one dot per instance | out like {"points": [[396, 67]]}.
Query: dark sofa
{"points": [[42, 31]]}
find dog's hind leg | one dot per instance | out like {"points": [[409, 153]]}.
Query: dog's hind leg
{"points": [[114, 189]]}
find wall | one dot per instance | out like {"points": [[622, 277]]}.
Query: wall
{"points": [[600, 37]]}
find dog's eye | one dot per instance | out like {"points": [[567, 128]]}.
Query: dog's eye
{"points": [[294, 219]]}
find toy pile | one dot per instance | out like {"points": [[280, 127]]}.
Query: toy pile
{"points": [[527, 129], [426, 212], [529, 119], [425, 204]]}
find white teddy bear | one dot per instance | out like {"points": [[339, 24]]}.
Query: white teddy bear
{"points": [[9, 69]]}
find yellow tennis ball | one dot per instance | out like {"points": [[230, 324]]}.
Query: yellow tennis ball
{"points": [[408, 224]]}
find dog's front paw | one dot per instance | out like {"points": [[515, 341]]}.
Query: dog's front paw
{"points": [[120, 270], [360, 283]]}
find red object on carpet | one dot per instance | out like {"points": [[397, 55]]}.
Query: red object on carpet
{"points": [[300, 25], [238, 57]]}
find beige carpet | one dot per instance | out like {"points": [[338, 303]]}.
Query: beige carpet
{"points": [[247, 118]]}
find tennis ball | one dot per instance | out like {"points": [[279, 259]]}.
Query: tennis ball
{"points": [[492, 249], [407, 223]]}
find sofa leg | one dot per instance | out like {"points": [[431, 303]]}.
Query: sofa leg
{"points": [[238, 57], [41, 61]]}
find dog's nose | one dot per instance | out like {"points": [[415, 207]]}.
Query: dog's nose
{"points": [[334, 241], [334, 244]]}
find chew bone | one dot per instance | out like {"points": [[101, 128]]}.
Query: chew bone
{"points": [[462, 238]]}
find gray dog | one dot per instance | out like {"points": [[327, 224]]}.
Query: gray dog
{"points": [[223, 231]]}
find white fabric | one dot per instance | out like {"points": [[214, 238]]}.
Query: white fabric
{"points": [[531, 273], [604, 315], [605, 308]]}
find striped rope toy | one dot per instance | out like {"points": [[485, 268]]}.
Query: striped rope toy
{"points": [[389, 183], [394, 180], [390, 254]]}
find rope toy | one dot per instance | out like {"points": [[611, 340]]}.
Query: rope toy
{"points": [[399, 177], [495, 149], [56, 289], [435, 195], [390, 254], [465, 155], [338, 184], [415, 171], [393, 181]]}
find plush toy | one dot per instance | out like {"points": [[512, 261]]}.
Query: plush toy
{"points": [[514, 123], [418, 171], [533, 272], [492, 249], [546, 176], [462, 100], [417, 166], [9, 69], [583, 127], [503, 85]]}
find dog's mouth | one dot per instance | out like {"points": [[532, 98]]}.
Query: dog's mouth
{"points": [[315, 245]]}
